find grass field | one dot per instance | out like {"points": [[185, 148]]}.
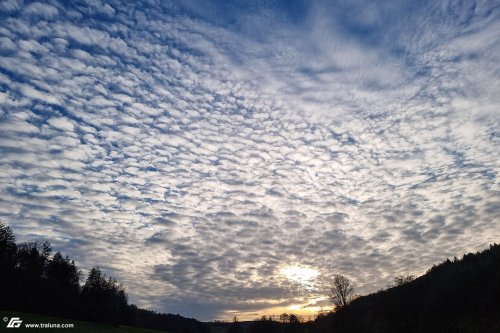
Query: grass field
{"points": [[79, 326]]}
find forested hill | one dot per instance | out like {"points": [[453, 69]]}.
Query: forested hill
{"points": [[35, 281], [454, 296]]}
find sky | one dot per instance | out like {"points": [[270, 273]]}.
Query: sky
{"points": [[225, 158]]}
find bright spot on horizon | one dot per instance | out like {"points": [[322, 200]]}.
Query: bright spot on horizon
{"points": [[304, 276]]}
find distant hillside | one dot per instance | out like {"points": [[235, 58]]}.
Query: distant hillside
{"points": [[454, 296]]}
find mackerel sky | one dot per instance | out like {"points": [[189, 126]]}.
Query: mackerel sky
{"points": [[227, 158]]}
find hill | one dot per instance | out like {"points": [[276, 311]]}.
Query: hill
{"points": [[454, 296]]}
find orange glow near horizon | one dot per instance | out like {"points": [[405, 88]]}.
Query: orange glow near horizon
{"points": [[305, 311], [304, 277], [308, 309]]}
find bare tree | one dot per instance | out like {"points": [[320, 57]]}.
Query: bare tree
{"points": [[235, 326], [341, 292], [401, 279]]}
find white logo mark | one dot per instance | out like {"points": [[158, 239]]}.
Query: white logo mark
{"points": [[14, 322]]}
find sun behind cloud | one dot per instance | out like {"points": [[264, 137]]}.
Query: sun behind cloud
{"points": [[302, 275]]}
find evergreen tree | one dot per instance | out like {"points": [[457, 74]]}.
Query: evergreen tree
{"points": [[30, 272], [8, 250], [63, 280]]}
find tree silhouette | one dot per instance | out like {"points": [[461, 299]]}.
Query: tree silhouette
{"points": [[31, 263], [63, 282], [8, 250], [264, 325], [293, 324], [235, 326], [101, 296], [7, 241], [125, 316], [341, 292], [401, 279]]}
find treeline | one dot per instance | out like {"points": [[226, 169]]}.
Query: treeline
{"points": [[459, 295], [284, 323], [33, 280]]}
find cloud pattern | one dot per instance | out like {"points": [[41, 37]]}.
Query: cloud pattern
{"points": [[195, 149]]}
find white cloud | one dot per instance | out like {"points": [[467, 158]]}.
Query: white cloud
{"points": [[41, 9], [62, 124]]}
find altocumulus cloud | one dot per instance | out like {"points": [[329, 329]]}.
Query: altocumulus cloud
{"points": [[195, 150]]}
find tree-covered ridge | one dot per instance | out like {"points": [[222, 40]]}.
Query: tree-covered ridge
{"points": [[459, 295], [33, 280]]}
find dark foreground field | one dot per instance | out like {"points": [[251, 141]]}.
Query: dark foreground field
{"points": [[79, 326]]}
